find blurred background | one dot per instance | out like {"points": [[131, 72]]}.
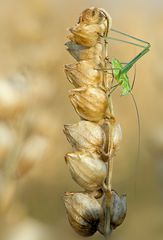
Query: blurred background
{"points": [[34, 106]]}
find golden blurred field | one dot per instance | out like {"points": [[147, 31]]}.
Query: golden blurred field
{"points": [[34, 106]]}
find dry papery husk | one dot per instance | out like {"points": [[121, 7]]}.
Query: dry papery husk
{"points": [[85, 135], [87, 169], [93, 24], [80, 52], [84, 212], [89, 102], [86, 215], [84, 73], [118, 210], [96, 135]]}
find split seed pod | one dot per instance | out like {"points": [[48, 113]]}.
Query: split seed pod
{"points": [[90, 103], [83, 212], [83, 73], [87, 169], [85, 135]]}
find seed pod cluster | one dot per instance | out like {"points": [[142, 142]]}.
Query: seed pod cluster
{"points": [[96, 137]]}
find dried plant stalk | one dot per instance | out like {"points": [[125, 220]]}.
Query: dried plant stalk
{"points": [[95, 139]]}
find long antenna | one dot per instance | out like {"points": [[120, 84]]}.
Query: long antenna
{"points": [[146, 49], [129, 36], [139, 133], [124, 41]]}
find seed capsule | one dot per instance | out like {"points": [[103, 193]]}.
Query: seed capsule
{"points": [[95, 15], [87, 169], [86, 35], [118, 209], [93, 23], [83, 212], [83, 73], [116, 134], [90, 103], [85, 135], [80, 52], [116, 137]]}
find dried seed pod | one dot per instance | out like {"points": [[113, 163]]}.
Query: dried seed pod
{"points": [[93, 24], [86, 35], [95, 15], [83, 73], [90, 103], [83, 212], [85, 135], [87, 169], [80, 52], [118, 209], [116, 136], [92, 15]]}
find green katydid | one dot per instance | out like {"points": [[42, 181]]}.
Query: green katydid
{"points": [[120, 71]]}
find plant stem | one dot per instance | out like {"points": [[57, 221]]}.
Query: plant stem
{"points": [[110, 123]]}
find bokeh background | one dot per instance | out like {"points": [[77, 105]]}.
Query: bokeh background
{"points": [[34, 106]]}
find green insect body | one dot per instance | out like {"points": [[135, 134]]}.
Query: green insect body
{"points": [[119, 71], [122, 79]]}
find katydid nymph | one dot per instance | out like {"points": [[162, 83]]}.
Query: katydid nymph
{"points": [[120, 71]]}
